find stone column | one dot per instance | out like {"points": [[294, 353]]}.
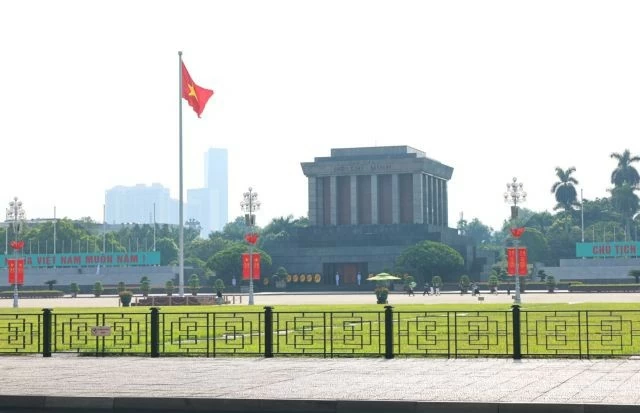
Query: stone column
{"points": [[314, 200], [445, 204], [354, 200], [395, 200], [333, 183], [374, 199], [417, 199], [439, 203]]}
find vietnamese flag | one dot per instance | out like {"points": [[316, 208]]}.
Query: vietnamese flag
{"points": [[196, 96]]}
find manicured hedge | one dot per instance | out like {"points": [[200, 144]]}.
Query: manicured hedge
{"points": [[33, 294], [604, 288]]}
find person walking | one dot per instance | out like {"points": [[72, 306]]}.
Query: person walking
{"points": [[426, 289], [337, 280]]}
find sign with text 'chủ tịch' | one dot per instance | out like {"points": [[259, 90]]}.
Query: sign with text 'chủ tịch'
{"points": [[607, 249]]}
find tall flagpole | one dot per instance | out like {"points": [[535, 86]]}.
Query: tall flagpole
{"points": [[180, 215]]}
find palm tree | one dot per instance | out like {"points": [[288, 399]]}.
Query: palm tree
{"points": [[626, 202], [564, 189], [624, 171]]}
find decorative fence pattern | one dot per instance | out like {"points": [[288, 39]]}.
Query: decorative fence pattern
{"points": [[389, 333]]}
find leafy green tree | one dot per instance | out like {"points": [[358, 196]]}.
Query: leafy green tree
{"points": [[493, 281], [236, 230], [168, 251], [50, 283], [480, 232], [121, 286], [204, 249], [626, 202], [536, 244], [625, 172], [228, 262], [429, 258], [635, 274], [541, 221]]}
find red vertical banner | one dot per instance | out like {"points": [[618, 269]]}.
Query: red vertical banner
{"points": [[522, 261], [20, 271], [12, 270], [256, 266], [511, 261], [245, 266]]}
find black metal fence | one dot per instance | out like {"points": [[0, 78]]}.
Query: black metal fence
{"points": [[512, 333]]}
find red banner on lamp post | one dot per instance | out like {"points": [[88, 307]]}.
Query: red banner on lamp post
{"points": [[522, 261], [255, 257], [16, 270]]}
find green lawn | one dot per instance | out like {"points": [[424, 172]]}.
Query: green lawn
{"points": [[420, 330]]}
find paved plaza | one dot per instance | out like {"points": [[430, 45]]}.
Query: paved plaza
{"points": [[282, 384], [274, 299]]}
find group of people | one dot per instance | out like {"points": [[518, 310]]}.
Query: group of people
{"points": [[431, 289]]}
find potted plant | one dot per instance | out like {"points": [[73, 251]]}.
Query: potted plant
{"points": [[464, 284], [169, 287], [194, 284], [381, 294], [75, 289], [551, 283], [145, 288], [125, 297], [98, 289]]}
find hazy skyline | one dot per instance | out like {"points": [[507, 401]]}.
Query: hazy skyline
{"points": [[495, 89]]}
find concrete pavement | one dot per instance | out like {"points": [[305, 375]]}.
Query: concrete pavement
{"points": [[320, 385]]}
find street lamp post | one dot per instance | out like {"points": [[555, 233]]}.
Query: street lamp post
{"points": [[249, 205], [15, 213], [515, 195]]}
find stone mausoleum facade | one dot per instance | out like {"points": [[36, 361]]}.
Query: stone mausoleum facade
{"points": [[366, 206]]}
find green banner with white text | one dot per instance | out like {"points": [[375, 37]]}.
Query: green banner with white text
{"points": [[607, 249], [116, 259]]}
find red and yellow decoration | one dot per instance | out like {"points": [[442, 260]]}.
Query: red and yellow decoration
{"points": [[195, 95]]}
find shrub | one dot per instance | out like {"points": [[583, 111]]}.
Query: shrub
{"points": [[75, 289], [464, 284], [98, 288], [50, 283], [194, 284], [121, 287], [551, 283], [169, 287], [145, 287]]}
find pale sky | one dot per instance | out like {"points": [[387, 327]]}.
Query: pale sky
{"points": [[495, 89]]}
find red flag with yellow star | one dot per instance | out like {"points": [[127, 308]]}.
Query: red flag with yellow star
{"points": [[196, 96]]}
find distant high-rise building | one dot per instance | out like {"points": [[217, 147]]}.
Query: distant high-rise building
{"points": [[216, 170], [209, 205], [135, 204]]}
